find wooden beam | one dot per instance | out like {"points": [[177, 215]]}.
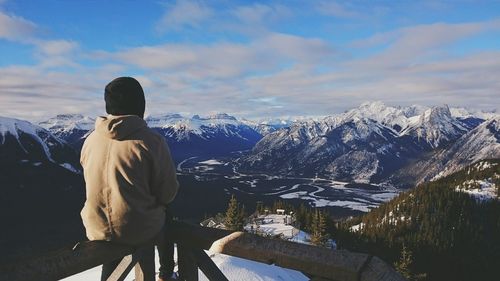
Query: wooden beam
{"points": [[123, 268], [315, 261], [64, 262]]}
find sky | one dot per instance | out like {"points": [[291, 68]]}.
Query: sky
{"points": [[252, 59]]}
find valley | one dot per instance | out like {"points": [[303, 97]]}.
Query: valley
{"points": [[216, 178]]}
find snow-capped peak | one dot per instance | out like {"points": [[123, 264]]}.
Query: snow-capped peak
{"points": [[221, 116], [182, 127], [14, 126], [436, 126], [436, 115], [25, 134], [460, 112], [378, 111], [67, 122]]}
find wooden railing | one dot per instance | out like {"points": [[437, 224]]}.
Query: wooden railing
{"points": [[315, 262]]}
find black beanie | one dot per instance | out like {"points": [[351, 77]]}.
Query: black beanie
{"points": [[124, 96]]}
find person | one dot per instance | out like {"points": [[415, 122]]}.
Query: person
{"points": [[129, 176]]}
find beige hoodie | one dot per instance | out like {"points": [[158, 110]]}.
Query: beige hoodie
{"points": [[129, 176]]}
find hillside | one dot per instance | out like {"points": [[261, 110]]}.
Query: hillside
{"points": [[451, 225]]}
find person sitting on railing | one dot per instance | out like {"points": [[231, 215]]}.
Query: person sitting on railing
{"points": [[129, 174]]}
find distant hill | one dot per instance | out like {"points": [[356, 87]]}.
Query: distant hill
{"points": [[451, 225]]}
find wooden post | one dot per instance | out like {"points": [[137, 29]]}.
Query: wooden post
{"points": [[207, 266], [188, 270]]}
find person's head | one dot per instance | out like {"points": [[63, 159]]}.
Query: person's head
{"points": [[124, 96]]}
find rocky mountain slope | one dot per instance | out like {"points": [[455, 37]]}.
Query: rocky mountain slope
{"points": [[370, 143], [215, 135], [42, 188]]}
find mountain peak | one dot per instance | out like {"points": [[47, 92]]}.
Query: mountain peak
{"points": [[224, 116], [437, 114], [67, 122], [372, 105], [380, 112], [436, 126]]}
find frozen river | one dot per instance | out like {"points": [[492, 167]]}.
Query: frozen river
{"points": [[217, 179]]}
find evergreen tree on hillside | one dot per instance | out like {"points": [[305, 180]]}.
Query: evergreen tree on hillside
{"points": [[405, 263], [453, 236], [259, 208], [235, 216], [319, 235]]}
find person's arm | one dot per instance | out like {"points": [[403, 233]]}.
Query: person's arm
{"points": [[164, 184]]}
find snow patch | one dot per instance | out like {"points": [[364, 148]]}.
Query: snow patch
{"points": [[482, 190], [211, 162]]}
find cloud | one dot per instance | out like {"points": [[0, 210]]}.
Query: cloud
{"points": [[410, 45], [225, 60], [257, 71], [184, 13], [57, 47], [335, 9], [17, 29], [51, 53], [257, 14]]}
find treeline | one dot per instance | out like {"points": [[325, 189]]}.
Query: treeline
{"points": [[433, 232]]}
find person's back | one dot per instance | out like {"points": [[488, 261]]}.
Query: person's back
{"points": [[129, 175], [130, 179]]}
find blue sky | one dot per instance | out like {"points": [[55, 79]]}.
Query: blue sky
{"points": [[250, 59]]}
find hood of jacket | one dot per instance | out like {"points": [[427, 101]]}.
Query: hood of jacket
{"points": [[118, 127]]}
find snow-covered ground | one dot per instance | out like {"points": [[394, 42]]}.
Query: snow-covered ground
{"points": [[211, 162], [479, 189], [274, 225]]}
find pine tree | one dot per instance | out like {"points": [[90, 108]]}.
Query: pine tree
{"points": [[319, 235], [259, 208], [234, 215], [404, 263]]}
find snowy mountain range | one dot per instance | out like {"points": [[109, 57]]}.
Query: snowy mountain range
{"points": [[73, 128], [371, 143], [482, 142], [215, 135], [24, 143], [377, 143]]}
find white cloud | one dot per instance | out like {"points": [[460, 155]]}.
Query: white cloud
{"points": [[228, 60], [57, 47], [184, 13], [15, 28]]}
